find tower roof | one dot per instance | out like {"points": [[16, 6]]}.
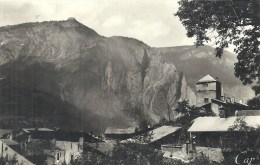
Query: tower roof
{"points": [[207, 78]]}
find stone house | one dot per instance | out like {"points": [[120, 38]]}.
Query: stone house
{"points": [[53, 147], [211, 135], [210, 96], [207, 88], [64, 151]]}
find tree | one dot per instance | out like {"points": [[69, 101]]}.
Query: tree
{"points": [[138, 154], [188, 114], [254, 102], [227, 22], [163, 121], [144, 125], [242, 137]]}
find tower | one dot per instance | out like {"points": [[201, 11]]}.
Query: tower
{"points": [[207, 88]]}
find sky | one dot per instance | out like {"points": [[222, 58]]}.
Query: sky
{"points": [[151, 21]]}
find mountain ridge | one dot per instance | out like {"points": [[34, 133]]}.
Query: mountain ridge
{"points": [[119, 81]]}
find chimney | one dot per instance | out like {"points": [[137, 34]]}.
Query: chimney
{"points": [[29, 138], [236, 113], [222, 113], [53, 141], [81, 141], [228, 100], [222, 92], [10, 136]]}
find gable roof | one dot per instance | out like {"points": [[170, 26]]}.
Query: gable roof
{"points": [[129, 130], [105, 148], [155, 134], [217, 124], [206, 78], [27, 130], [62, 135], [162, 132]]}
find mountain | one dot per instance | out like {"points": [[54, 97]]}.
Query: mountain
{"points": [[64, 73], [198, 62]]}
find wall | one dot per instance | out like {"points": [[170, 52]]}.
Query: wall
{"points": [[172, 149], [215, 109], [70, 148], [202, 87], [211, 91], [203, 91], [205, 94], [214, 154], [52, 157], [6, 151]]}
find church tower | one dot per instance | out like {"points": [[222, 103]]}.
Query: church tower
{"points": [[207, 88]]}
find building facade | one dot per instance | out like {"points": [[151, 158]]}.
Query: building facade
{"points": [[207, 88]]}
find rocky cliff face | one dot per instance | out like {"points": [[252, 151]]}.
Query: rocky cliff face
{"points": [[96, 81]]}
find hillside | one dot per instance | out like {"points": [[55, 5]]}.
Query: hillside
{"points": [[198, 62], [64, 72]]}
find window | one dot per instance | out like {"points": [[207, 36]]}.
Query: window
{"points": [[71, 157], [205, 85], [206, 100], [58, 156], [71, 145]]}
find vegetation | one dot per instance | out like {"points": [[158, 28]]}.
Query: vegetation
{"points": [[187, 115], [254, 102], [9, 161], [225, 23], [241, 137], [134, 154]]}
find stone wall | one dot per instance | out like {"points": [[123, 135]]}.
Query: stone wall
{"points": [[214, 154]]}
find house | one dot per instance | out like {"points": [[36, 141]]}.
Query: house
{"points": [[52, 147], [53, 151], [227, 107], [37, 151], [157, 137], [210, 96], [65, 151], [119, 134], [210, 131], [212, 137], [207, 88]]}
